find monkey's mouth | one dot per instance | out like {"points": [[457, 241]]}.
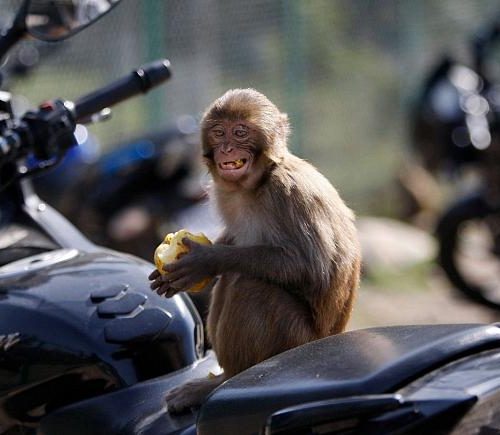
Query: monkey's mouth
{"points": [[232, 165]]}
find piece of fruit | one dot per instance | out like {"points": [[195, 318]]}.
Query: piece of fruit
{"points": [[172, 248]]}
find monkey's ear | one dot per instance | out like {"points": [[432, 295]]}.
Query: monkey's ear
{"points": [[279, 145], [284, 126]]}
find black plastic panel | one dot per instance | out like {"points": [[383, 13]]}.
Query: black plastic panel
{"points": [[139, 409], [143, 327], [107, 292], [124, 305]]}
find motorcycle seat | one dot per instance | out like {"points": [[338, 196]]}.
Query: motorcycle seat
{"points": [[356, 363]]}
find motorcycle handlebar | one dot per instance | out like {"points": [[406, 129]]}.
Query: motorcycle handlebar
{"points": [[139, 81], [49, 131]]}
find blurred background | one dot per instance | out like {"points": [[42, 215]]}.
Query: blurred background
{"points": [[347, 72]]}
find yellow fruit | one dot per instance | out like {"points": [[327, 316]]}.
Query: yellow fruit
{"points": [[172, 248]]}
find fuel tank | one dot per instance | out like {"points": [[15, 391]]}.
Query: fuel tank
{"points": [[76, 324]]}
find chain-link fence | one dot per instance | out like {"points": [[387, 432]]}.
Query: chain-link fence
{"points": [[343, 70]]}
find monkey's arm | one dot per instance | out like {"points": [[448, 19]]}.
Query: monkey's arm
{"points": [[283, 266], [280, 266]]}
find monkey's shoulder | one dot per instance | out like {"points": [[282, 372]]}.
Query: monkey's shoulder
{"points": [[304, 194], [298, 179]]}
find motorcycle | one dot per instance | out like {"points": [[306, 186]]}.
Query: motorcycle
{"points": [[86, 348], [456, 130]]}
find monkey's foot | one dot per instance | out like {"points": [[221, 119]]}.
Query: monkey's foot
{"points": [[191, 394]]}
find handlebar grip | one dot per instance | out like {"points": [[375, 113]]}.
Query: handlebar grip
{"points": [[139, 81]]}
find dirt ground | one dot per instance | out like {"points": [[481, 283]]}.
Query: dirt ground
{"points": [[434, 301], [402, 284]]}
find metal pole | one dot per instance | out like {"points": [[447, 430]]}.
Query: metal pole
{"points": [[295, 76], [155, 48]]}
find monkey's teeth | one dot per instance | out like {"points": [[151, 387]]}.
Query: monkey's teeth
{"points": [[236, 164]]}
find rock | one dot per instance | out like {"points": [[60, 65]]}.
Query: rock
{"points": [[391, 245]]}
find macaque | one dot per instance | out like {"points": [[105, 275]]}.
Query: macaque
{"points": [[288, 260]]}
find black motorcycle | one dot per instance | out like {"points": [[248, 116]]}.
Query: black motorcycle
{"points": [[86, 348], [456, 129]]}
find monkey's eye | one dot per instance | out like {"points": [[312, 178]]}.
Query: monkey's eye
{"points": [[240, 132], [218, 132]]}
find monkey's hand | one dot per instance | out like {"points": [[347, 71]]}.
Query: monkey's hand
{"points": [[195, 266], [161, 285]]}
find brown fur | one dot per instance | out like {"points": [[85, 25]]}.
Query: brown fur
{"points": [[288, 260]]}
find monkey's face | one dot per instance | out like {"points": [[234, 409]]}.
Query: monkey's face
{"points": [[234, 147]]}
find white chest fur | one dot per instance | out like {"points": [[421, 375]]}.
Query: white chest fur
{"points": [[245, 222]]}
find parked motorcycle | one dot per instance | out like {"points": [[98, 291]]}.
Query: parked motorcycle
{"points": [[456, 126], [86, 348]]}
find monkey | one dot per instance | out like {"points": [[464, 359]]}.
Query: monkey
{"points": [[288, 259]]}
